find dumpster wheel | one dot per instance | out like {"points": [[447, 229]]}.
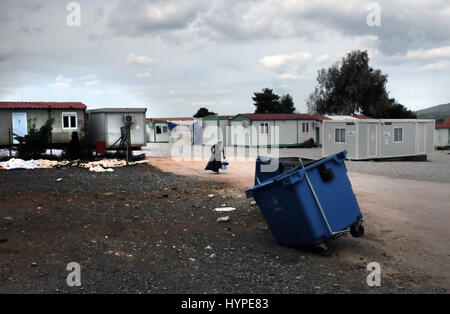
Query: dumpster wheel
{"points": [[324, 249], [357, 230]]}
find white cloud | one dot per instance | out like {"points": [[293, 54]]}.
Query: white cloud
{"points": [[278, 61], [323, 58], [290, 77], [205, 103], [141, 61], [89, 77], [441, 52], [143, 75], [61, 81], [91, 83], [138, 89], [435, 66], [141, 17]]}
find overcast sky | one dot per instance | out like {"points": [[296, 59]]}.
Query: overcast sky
{"points": [[173, 57]]}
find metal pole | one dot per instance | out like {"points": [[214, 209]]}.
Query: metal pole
{"points": [[318, 203], [10, 142], [128, 140], [50, 139]]}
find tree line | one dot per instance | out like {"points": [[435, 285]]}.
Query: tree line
{"points": [[349, 86]]}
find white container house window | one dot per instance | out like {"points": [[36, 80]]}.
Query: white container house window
{"points": [[339, 135], [69, 120], [161, 129], [264, 128], [398, 135]]}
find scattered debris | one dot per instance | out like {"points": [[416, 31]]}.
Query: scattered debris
{"points": [[117, 253], [223, 219], [224, 209], [16, 163], [100, 169]]}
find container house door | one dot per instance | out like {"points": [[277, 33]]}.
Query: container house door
{"points": [[372, 141], [19, 125], [421, 138]]}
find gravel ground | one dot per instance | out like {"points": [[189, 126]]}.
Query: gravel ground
{"points": [[436, 169], [140, 230]]}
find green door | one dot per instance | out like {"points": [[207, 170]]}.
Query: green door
{"points": [[317, 135]]}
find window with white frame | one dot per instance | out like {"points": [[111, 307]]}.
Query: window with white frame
{"points": [[339, 135], [161, 129], [305, 127], [264, 128], [398, 134], [69, 120]]}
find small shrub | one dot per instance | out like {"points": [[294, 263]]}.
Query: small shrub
{"points": [[35, 143], [78, 147]]}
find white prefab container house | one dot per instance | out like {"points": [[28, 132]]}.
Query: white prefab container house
{"points": [[272, 130], [374, 138], [16, 118], [157, 131], [165, 130], [213, 129], [442, 134], [105, 125]]}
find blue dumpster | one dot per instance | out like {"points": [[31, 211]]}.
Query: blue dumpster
{"points": [[306, 206]]}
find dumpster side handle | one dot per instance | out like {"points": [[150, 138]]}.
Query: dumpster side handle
{"points": [[293, 178]]}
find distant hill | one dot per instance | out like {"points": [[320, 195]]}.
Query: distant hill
{"points": [[439, 113]]}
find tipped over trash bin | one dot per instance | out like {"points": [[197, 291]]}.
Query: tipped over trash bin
{"points": [[308, 205]]}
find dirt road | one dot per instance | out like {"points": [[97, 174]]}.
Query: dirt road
{"points": [[407, 220]]}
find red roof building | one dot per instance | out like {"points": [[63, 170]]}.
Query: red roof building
{"points": [[444, 125], [16, 118], [283, 116], [149, 120], [41, 105]]}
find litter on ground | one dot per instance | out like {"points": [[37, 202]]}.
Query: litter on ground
{"points": [[224, 209], [17, 163], [223, 219], [100, 169]]}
